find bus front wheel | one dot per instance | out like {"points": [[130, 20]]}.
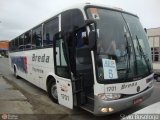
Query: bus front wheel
{"points": [[52, 91]]}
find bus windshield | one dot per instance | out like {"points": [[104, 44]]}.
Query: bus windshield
{"points": [[141, 45], [117, 45]]}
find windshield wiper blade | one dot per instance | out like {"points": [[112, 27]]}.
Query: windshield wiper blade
{"points": [[128, 56], [142, 54]]}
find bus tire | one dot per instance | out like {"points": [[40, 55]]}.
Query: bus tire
{"points": [[52, 90], [158, 79], [15, 72]]}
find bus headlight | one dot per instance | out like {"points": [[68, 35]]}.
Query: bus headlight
{"points": [[104, 110], [150, 84], [109, 96]]}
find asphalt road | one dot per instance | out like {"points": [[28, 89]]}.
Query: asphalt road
{"points": [[42, 106]]}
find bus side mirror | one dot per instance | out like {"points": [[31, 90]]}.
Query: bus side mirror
{"points": [[93, 34], [92, 40], [89, 22]]}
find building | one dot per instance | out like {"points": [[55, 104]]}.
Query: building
{"points": [[4, 47], [154, 42]]}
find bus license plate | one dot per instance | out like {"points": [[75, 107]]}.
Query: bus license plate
{"points": [[137, 101]]}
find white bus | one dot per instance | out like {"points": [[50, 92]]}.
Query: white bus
{"points": [[88, 56]]}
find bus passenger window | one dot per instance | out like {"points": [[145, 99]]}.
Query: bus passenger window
{"points": [[12, 45], [61, 67], [21, 43], [50, 29], [16, 43], [37, 37], [27, 40]]}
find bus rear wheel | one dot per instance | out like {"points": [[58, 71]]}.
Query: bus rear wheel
{"points": [[52, 91]]}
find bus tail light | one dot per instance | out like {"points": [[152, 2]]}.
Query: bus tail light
{"points": [[109, 96]]}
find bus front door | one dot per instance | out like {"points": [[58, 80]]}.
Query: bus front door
{"points": [[84, 69], [63, 80]]}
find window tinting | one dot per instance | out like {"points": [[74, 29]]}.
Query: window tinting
{"points": [[50, 29], [27, 40], [12, 47], [21, 42], [16, 43], [61, 66], [37, 36], [72, 19]]}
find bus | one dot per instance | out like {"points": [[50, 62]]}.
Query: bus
{"points": [[88, 56]]}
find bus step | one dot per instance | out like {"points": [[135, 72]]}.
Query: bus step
{"points": [[88, 107], [90, 99]]}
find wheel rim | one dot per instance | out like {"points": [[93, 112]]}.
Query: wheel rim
{"points": [[54, 91]]}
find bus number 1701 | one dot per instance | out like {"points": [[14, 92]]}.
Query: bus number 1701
{"points": [[65, 97], [111, 89]]}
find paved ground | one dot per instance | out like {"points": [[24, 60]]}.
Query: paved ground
{"points": [[12, 100]]}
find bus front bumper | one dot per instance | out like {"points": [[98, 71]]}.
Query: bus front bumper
{"points": [[109, 107]]}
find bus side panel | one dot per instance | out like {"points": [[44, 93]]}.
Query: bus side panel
{"points": [[40, 63], [33, 65], [17, 60], [10, 65]]}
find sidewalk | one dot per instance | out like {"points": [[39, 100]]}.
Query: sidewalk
{"points": [[12, 101]]}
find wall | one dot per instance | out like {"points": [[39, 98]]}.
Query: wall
{"points": [[154, 42], [3, 45]]}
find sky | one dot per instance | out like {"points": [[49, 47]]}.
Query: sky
{"points": [[18, 16]]}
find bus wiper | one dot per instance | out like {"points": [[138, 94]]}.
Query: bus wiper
{"points": [[128, 56], [142, 54]]}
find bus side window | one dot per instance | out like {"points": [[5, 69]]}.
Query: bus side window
{"points": [[61, 66], [13, 45], [27, 40], [21, 43], [37, 37], [16, 44], [10, 46], [50, 29]]}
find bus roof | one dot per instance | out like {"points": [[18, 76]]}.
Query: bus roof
{"points": [[83, 5], [80, 6]]}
